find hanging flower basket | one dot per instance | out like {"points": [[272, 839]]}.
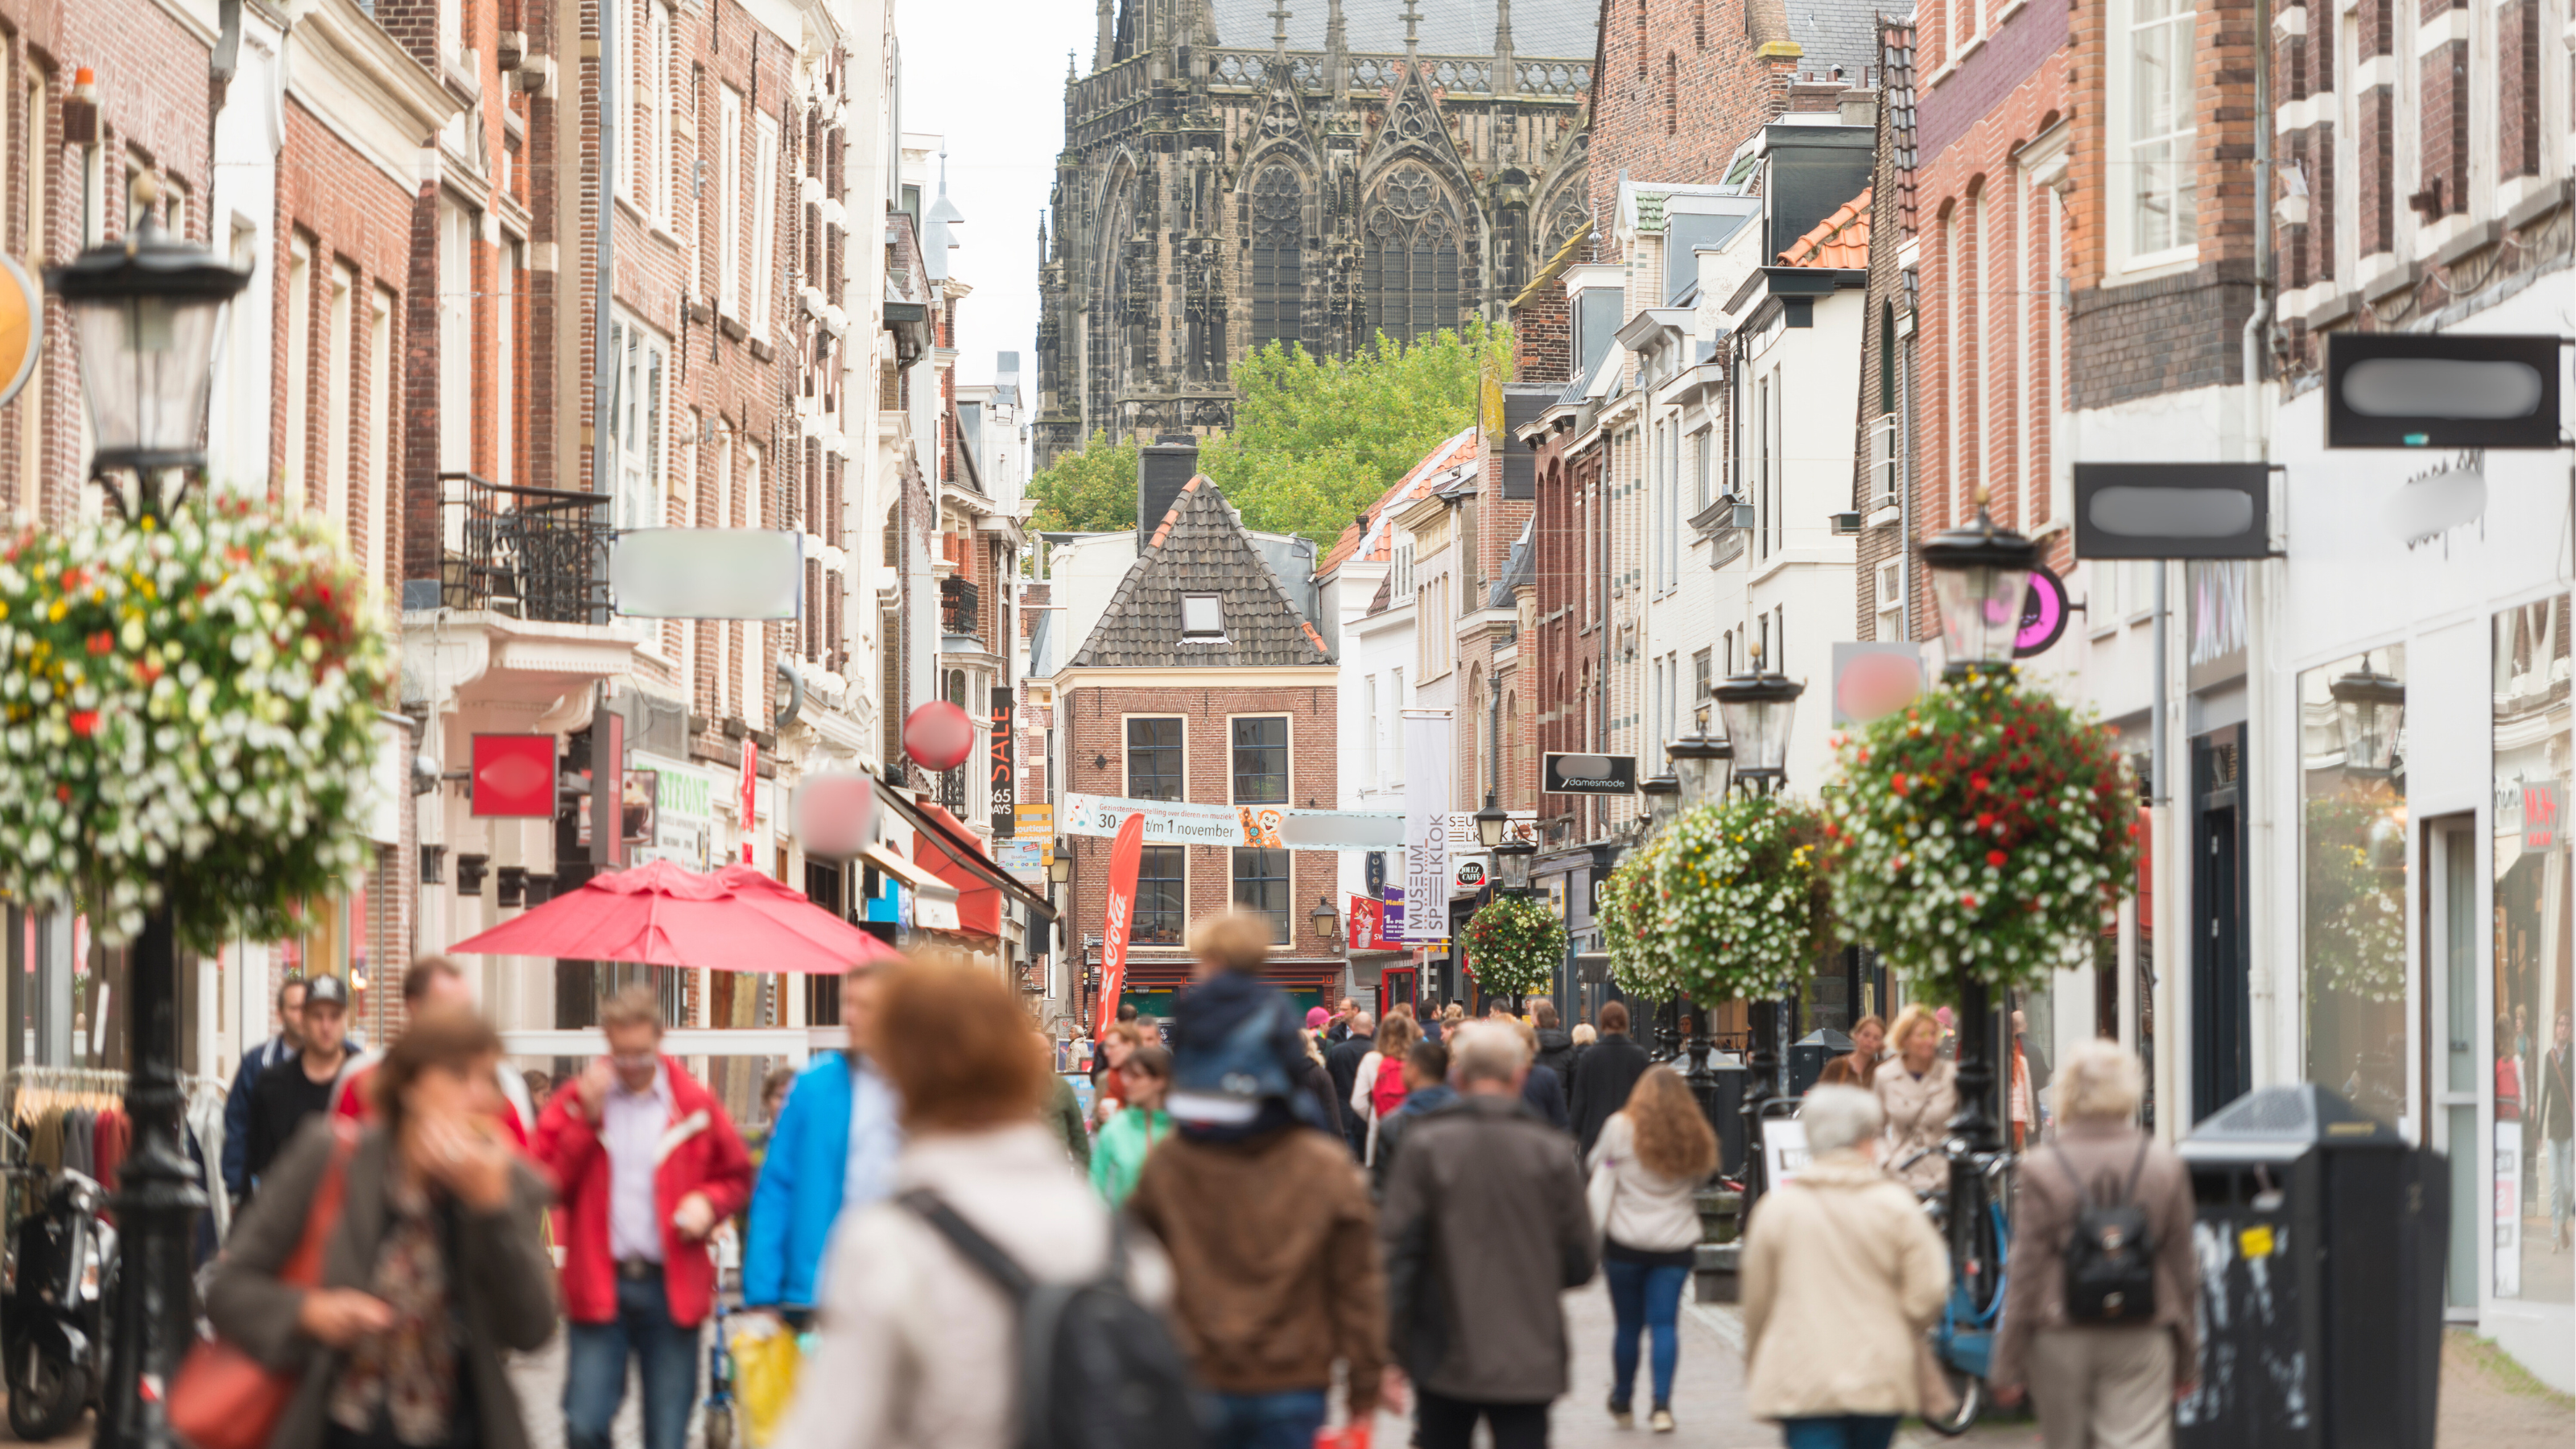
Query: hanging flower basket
{"points": [[1740, 903], [2356, 897], [1514, 945], [1630, 917], [187, 708], [1981, 835]]}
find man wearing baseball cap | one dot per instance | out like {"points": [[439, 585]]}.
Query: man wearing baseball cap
{"points": [[296, 1089]]}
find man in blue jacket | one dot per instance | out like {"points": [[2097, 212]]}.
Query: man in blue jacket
{"points": [[278, 1048], [833, 1145]]}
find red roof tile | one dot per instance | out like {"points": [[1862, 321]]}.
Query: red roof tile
{"points": [[1458, 448], [1840, 240]]}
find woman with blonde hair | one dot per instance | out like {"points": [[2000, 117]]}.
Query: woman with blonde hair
{"points": [[1647, 1167], [1378, 1088], [1919, 1092]]}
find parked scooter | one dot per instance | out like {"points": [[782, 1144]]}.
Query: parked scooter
{"points": [[53, 1320]]}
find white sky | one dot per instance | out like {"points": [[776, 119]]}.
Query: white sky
{"points": [[989, 76]]}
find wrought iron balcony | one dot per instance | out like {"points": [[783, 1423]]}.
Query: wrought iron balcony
{"points": [[958, 612], [539, 554]]}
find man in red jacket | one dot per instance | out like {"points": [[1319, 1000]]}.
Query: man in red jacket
{"points": [[647, 1163]]}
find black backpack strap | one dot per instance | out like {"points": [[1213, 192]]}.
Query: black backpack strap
{"points": [[2139, 1167], [2066, 1165], [972, 1245]]}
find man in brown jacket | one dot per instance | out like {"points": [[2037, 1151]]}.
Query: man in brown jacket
{"points": [[1266, 1221], [2096, 1386], [1484, 1226]]}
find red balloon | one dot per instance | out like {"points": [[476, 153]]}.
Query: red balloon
{"points": [[938, 736]]}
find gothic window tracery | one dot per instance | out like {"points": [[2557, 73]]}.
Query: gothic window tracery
{"points": [[1278, 257], [1410, 272]]}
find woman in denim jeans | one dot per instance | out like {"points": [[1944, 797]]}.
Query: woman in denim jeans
{"points": [[1647, 1167]]}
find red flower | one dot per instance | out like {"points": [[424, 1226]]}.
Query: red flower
{"points": [[63, 793], [1897, 784], [1985, 820], [1977, 783], [85, 722], [101, 642], [1996, 858]]}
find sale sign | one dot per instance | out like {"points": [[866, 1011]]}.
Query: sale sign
{"points": [[1118, 916]]}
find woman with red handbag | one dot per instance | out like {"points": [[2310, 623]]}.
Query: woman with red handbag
{"points": [[366, 1295]]}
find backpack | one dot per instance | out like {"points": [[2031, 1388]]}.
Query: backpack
{"points": [[2110, 1254], [1097, 1369]]}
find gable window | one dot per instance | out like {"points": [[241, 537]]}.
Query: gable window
{"points": [[1162, 895], [1278, 257], [1202, 616], [1261, 760], [1261, 884], [1154, 759]]}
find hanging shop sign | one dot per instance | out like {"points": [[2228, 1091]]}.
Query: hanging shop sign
{"points": [[2173, 510], [2441, 390], [835, 814], [22, 328], [1569, 774], [1872, 681], [1035, 821], [1023, 860], [2043, 613], [1006, 820], [706, 573], [1188, 822], [1427, 743], [513, 777], [681, 827]]}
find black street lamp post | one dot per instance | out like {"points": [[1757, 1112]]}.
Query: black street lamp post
{"points": [[146, 308], [1700, 768], [1980, 576], [1758, 708]]}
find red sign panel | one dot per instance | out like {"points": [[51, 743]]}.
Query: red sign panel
{"points": [[750, 790], [1368, 927], [514, 776], [1118, 914]]}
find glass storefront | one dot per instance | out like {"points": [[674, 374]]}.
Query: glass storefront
{"points": [[2526, 1046], [2352, 843]]}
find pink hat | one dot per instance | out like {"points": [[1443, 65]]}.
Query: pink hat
{"points": [[1317, 1016]]}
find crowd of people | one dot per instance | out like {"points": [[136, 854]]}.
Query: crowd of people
{"points": [[1313, 1216]]}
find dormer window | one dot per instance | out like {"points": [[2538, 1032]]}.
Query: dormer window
{"points": [[1202, 616]]}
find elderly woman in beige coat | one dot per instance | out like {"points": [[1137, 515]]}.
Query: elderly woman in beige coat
{"points": [[1919, 1092], [1842, 1274]]}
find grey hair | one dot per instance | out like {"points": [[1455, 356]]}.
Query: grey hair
{"points": [[2099, 1080], [1486, 1051], [1837, 1117]]}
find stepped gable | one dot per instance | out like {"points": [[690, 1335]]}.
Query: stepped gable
{"points": [[1200, 548]]}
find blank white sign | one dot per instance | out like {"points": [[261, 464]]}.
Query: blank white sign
{"points": [[706, 573]]}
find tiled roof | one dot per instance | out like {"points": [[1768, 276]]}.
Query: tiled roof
{"points": [[1840, 240], [1200, 548], [1370, 543], [1650, 210]]}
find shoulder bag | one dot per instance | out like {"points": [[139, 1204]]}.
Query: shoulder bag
{"points": [[225, 1399]]}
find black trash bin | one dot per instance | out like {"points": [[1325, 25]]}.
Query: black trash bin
{"points": [[2321, 1239], [1808, 1057]]}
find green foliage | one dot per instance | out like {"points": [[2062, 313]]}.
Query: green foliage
{"points": [[1514, 945], [1093, 491], [1315, 439]]}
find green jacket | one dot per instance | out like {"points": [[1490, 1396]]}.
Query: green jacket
{"points": [[1120, 1153]]}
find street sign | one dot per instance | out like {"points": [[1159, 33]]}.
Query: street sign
{"points": [[2441, 390], [1571, 774], [513, 777], [2173, 510], [707, 573]]}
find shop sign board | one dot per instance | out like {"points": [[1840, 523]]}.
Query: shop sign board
{"points": [[513, 777], [1036, 820], [683, 820], [1873, 680], [1025, 860], [2173, 510], [1572, 774], [2441, 390], [1004, 769]]}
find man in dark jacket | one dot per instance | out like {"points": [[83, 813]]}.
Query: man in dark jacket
{"points": [[1555, 1048], [1342, 1025], [305, 1083], [1483, 1226], [278, 1048], [1604, 1075], [1426, 1090], [1342, 1064]]}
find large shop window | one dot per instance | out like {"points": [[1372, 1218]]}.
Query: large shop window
{"points": [[1261, 884], [2352, 842], [1162, 895], [1154, 759], [1261, 760], [2535, 934]]}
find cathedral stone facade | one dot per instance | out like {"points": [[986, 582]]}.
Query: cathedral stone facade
{"points": [[1238, 173]]}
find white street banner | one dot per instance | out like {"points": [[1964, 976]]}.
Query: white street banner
{"points": [[1185, 822], [1426, 824]]}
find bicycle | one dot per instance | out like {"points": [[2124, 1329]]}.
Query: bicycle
{"points": [[1964, 1340]]}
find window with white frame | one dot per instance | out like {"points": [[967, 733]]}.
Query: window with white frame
{"points": [[1371, 732], [1202, 616], [1703, 456], [755, 673], [299, 366], [663, 82], [762, 273], [1403, 572], [459, 232], [1395, 725], [636, 416], [2160, 118], [728, 182], [381, 481], [339, 400], [1890, 597]]}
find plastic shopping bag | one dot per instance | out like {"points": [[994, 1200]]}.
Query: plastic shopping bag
{"points": [[1354, 1435], [765, 1359]]}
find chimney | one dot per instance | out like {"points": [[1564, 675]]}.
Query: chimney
{"points": [[1163, 468]]}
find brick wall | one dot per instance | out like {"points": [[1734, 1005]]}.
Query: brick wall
{"points": [[1091, 721], [1542, 338], [1731, 65]]}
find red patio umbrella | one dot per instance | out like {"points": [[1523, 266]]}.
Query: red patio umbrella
{"points": [[734, 920]]}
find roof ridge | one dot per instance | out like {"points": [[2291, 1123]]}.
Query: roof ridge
{"points": [[1160, 577]]}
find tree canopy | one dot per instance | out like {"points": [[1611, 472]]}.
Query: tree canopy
{"points": [[1315, 439]]}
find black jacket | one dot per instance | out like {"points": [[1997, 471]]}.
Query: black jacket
{"points": [[1342, 1061], [1545, 1095], [1602, 1081], [1556, 1053], [279, 1102]]}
